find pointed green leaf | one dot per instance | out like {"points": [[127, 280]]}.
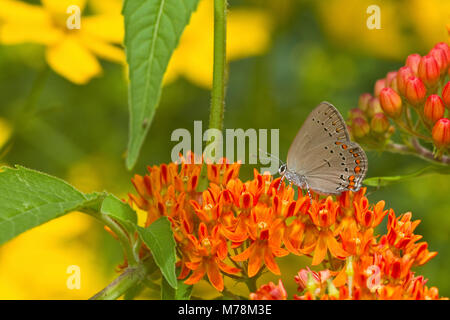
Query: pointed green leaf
{"points": [[152, 31], [159, 238], [29, 198], [384, 181], [119, 210]]}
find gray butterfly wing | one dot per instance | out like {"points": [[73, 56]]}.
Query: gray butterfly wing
{"points": [[323, 153]]}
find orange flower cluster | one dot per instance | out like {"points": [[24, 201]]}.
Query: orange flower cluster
{"points": [[238, 229]]}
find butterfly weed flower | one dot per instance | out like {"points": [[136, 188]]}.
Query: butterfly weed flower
{"points": [[381, 267], [238, 229]]}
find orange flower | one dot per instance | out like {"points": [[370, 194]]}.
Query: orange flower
{"points": [[209, 253], [324, 216], [251, 223], [265, 243]]}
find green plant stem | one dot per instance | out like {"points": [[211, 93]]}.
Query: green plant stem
{"points": [[219, 69], [405, 128], [417, 150], [217, 109], [251, 284], [129, 278]]}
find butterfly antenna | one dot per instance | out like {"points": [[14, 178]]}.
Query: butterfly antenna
{"points": [[271, 155]]}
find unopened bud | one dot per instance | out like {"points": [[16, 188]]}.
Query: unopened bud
{"points": [[356, 113], [363, 102], [434, 108], [379, 123], [429, 71], [446, 95], [391, 80], [415, 90], [391, 102], [402, 75], [441, 58], [360, 127], [413, 61], [379, 84], [441, 133], [374, 107]]}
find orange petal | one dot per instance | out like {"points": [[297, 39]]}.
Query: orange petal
{"points": [[270, 262], [255, 261], [196, 276], [335, 248], [243, 255], [214, 275], [320, 250], [226, 268], [341, 278]]}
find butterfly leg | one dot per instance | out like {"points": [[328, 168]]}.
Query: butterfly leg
{"points": [[281, 181], [309, 192]]}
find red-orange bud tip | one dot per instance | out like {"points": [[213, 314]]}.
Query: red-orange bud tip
{"points": [[434, 108], [391, 102], [441, 133]]}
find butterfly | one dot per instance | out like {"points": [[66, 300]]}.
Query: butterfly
{"points": [[322, 158]]}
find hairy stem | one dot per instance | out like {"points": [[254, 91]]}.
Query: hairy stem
{"points": [[219, 69], [219, 79], [417, 150], [129, 278]]}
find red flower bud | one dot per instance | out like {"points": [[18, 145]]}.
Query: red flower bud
{"points": [[429, 71], [446, 94], [413, 61], [391, 102], [391, 80], [363, 102], [360, 127], [374, 107], [434, 108], [441, 58], [379, 123], [356, 113], [380, 84], [441, 133], [402, 75], [415, 90], [446, 48]]}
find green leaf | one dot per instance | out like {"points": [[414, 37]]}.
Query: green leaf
{"points": [[384, 181], [159, 238], [183, 291], [152, 31], [29, 198], [118, 210]]}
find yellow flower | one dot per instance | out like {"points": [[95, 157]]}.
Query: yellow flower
{"points": [[248, 34], [345, 22], [35, 264], [72, 53]]}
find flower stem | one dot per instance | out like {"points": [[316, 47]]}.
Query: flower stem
{"points": [[219, 68], [417, 150], [219, 78], [129, 278]]}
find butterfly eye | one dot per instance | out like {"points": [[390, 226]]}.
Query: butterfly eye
{"points": [[282, 169]]}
